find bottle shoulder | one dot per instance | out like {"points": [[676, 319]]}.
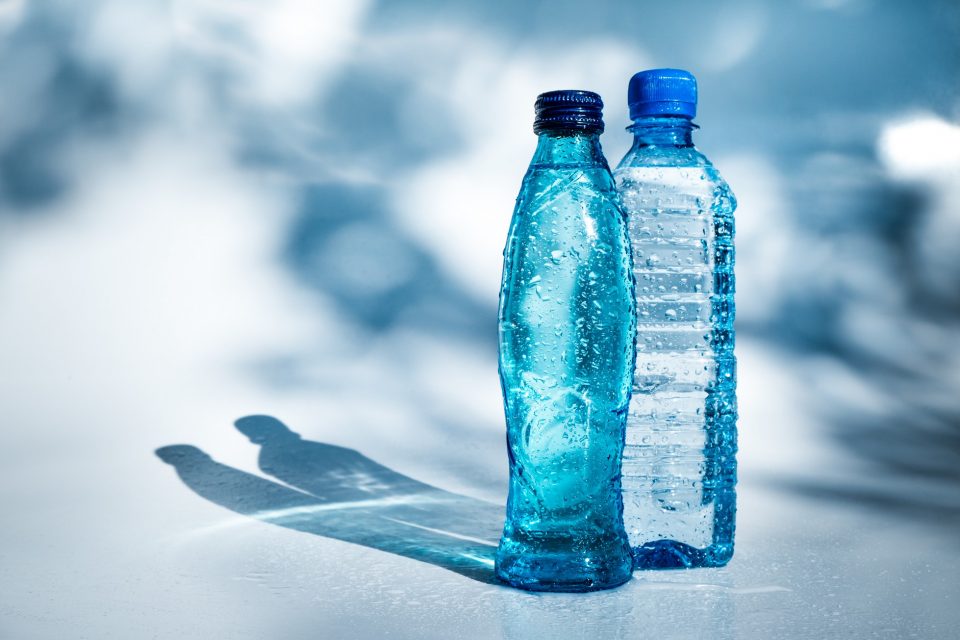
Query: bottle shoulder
{"points": [[663, 156], [674, 169], [542, 185], [573, 173], [575, 207]]}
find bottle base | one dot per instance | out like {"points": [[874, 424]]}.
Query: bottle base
{"points": [[670, 554], [534, 569]]}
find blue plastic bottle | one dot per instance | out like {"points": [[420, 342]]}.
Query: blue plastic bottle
{"points": [[566, 359], [679, 465]]}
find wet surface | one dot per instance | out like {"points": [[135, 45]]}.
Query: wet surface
{"points": [[264, 533], [209, 213]]}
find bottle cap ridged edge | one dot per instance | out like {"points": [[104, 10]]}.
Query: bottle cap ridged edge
{"points": [[568, 109]]}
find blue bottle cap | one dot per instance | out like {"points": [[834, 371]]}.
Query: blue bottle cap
{"points": [[569, 110], [662, 92]]}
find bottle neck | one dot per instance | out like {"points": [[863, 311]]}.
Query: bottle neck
{"points": [[662, 131], [556, 148]]}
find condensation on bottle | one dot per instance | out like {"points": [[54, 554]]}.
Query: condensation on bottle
{"points": [[679, 462], [566, 359]]}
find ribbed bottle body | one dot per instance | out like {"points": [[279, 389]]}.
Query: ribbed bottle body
{"points": [[566, 361], [679, 464]]}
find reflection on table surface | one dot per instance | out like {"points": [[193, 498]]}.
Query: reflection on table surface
{"points": [[284, 209]]}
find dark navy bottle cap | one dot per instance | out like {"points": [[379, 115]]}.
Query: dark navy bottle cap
{"points": [[662, 92], [569, 110]]}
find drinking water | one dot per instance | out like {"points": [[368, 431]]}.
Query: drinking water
{"points": [[679, 466], [566, 359]]}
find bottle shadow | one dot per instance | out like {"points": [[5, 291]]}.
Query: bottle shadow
{"points": [[339, 493]]}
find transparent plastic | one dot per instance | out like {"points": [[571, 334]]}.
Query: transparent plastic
{"points": [[679, 464]]}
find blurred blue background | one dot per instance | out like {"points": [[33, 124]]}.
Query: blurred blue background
{"points": [[213, 208]]}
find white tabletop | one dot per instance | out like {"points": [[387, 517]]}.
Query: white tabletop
{"points": [[123, 335]]}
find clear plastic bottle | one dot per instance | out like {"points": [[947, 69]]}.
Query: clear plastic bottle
{"points": [[679, 465], [566, 359]]}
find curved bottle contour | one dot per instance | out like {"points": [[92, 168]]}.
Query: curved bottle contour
{"points": [[566, 360]]}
